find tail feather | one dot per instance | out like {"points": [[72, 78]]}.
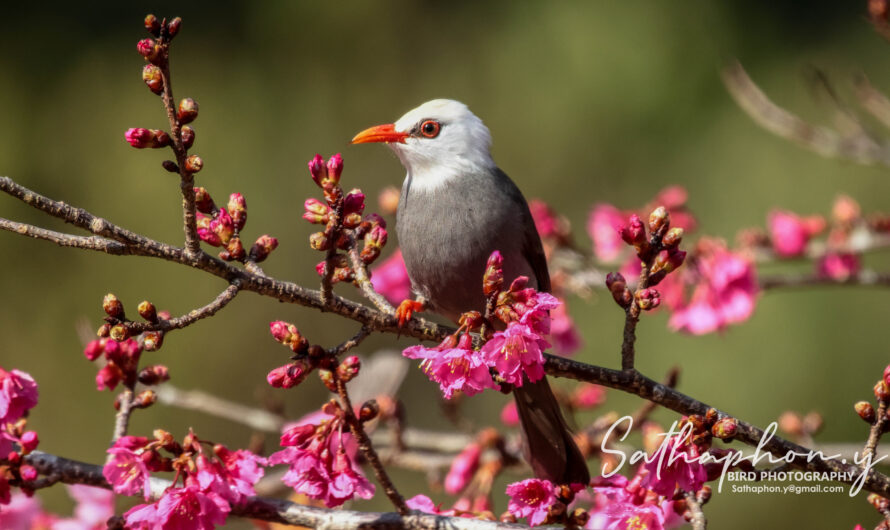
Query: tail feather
{"points": [[546, 440]]}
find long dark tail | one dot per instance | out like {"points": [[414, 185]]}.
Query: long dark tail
{"points": [[547, 442]]}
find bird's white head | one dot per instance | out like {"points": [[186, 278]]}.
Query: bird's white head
{"points": [[436, 142]]}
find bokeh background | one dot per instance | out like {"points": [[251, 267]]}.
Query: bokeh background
{"points": [[587, 101]]}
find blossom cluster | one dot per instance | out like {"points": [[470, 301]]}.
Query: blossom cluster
{"points": [[341, 215], [320, 453], [516, 354], [221, 227], [207, 482], [18, 395]]}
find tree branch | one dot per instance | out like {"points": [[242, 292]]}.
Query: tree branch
{"points": [[221, 301]]}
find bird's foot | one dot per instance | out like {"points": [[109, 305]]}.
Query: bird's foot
{"points": [[407, 309]]}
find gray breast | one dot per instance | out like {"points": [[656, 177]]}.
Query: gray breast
{"points": [[447, 234]]}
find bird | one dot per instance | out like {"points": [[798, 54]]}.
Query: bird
{"points": [[456, 207]]}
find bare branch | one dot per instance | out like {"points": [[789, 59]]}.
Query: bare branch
{"points": [[363, 279], [100, 244], [825, 141], [122, 418]]}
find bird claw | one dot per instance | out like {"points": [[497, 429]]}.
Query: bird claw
{"points": [[407, 309]]}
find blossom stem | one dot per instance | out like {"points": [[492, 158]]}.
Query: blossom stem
{"points": [[698, 521], [122, 418], [874, 435], [364, 280], [364, 443]]}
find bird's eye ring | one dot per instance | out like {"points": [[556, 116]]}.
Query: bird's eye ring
{"points": [[430, 128]]}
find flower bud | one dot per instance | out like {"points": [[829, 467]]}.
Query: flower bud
{"points": [[882, 391], [327, 377], [369, 410], [634, 233], [316, 212], [879, 503], [193, 164], [615, 282], [223, 226], [154, 374], [668, 260], [865, 410], [104, 330], [151, 76], [376, 237], [205, 230], [261, 249], [187, 111], [317, 170], [335, 168], [112, 306], [234, 250], [94, 349], [152, 25], [170, 166], [349, 368], [173, 27], [493, 279], [30, 441], [147, 311], [659, 219], [287, 376], [203, 201], [673, 237], [289, 335], [188, 136], [354, 202], [648, 299], [149, 49], [28, 472], [145, 399], [237, 210], [161, 139], [153, 340], [319, 241], [725, 428], [471, 319], [138, 137]]}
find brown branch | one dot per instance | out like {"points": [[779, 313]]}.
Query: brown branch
{"points": [[272, 510], [367, 448], [824, 141], [698, 521], [221, 301], [363, 279], [874, 434], [122, 418], [865, 278], [186, 177], [100, 244]]}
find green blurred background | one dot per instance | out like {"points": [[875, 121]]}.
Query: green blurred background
{"points": [[587, 101]]}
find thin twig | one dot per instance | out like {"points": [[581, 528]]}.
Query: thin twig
{"points": [[698, 520], [100, 244], [367, 448], [221, 301], [874, 434], [186, 177], [363, 280], [122, 418], [350, 343]]}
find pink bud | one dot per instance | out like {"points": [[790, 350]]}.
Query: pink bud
{"points": [[263, 246], [188, 136], [648, 299], [187, 111], [151, 75], [335, 168], [376, 237], [282, 330], [838, 266], [287, 376], [112, 349], [463, 467], [203, 201], [139, 138], [146, 48], [317, 169], [635, 232], [788, 232], [354, 202], [28, 472], [296, 436], [94, 349], [316, 211], [349, 368], [223, 226], [29, 441]]}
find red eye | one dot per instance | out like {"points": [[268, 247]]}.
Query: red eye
{"points": [[430, 128]]}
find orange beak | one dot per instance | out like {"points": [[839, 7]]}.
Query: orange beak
{"points": [[380, 133]]}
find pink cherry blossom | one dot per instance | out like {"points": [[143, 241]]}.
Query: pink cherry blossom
{"points": [[531, 499], [725, 291], [94, 507], [790, 233], [22, 512], [515, 352], [390, 278], [510, 414], [587, 396], [18, 394], [456, 367], [425, 504], [189, 507], [838, 266], [563, 332], [127, 471], [602, 225], [463, 467], [675, 464]]}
